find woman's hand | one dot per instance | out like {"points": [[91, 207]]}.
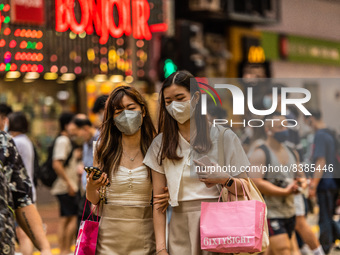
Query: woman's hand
{"points": [[211, 178], [162, 200], [96, 184]]}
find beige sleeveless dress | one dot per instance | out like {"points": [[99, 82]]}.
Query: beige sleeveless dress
{"points": [[126, 225]]}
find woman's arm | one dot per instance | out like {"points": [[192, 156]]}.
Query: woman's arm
{"points": [[159, 219]]}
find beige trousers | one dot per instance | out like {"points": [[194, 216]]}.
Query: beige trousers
{"points": [[184, 229], [126, 230]]}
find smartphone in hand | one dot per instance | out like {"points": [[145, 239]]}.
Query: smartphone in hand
{"points": [[96, 170], [204, 160]]}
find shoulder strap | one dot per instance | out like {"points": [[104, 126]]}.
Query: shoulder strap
{"points": [[266, 152], [221, 145]]}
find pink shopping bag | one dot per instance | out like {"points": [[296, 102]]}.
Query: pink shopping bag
{"points": [[87, 236], [232, 227]]}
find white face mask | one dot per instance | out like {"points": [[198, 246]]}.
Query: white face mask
{"points": [[181, 111], [129, 122]]}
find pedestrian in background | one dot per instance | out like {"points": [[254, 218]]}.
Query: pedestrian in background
{"points": [[323, 185], [18, 127], [278, 188], [66, 186], [98, 109], [4, 111], [83, 129]]}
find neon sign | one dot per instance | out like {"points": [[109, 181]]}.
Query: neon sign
{"points": [[133, 16]]}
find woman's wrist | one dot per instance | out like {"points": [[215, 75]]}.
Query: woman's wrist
{"points": [[160, 250]]}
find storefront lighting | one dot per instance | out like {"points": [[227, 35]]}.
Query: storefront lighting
{"points": [[39, 45], [17, 32], [12, 44], [133, 18], [34, 68], [54, 69], [23, 45], [2, 43], [54, 58], [63, 69], [128, 79], [23, 68], [140, 43], [6, 8], [14, 67], [2, 67], [100, 78], [50, 76], [40, 68], [59, 81], [32, 75], [77, 70], [49, 101], [68, 77], [7, 20], [82, 35], [73, 35], [103, 67], [116, 78], [9, 80], [27, 81], [91, 54], [39, 34], [13, 75], [7, 31], [63, 95]]}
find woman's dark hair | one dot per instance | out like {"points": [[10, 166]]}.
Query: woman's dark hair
{"points": [[168, 125], [18, 122], [109, 147]]}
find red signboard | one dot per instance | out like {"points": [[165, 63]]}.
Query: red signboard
{"points": [[28, 11], [133, 16]]}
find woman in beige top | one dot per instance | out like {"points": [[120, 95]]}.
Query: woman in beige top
{"points": [[186, 135], [126, 225]]}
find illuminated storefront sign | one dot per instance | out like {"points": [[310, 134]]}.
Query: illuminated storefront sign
{"points": [[256, 55], [28, 12], [133, 16]]}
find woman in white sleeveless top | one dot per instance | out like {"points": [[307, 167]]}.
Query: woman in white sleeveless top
{"points": [[126, 226], [186, 135]]}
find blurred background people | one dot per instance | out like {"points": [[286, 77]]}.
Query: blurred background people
{"points": [[82, 128], [16, 200], [98, 109], [323, 186], [66, 186], [18, 127], [278, 188], [4, 111]]}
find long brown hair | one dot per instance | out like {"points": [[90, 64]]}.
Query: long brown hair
{"points": [[109, 148], [168, 125]]}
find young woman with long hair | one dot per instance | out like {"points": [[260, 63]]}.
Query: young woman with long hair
{"points": [[186, 135], [126, 225]]}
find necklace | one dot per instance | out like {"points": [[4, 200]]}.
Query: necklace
{"points": [[132, 159]]}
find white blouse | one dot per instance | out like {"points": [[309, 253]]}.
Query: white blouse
{"points": [[182, 179], [130, 187]]}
